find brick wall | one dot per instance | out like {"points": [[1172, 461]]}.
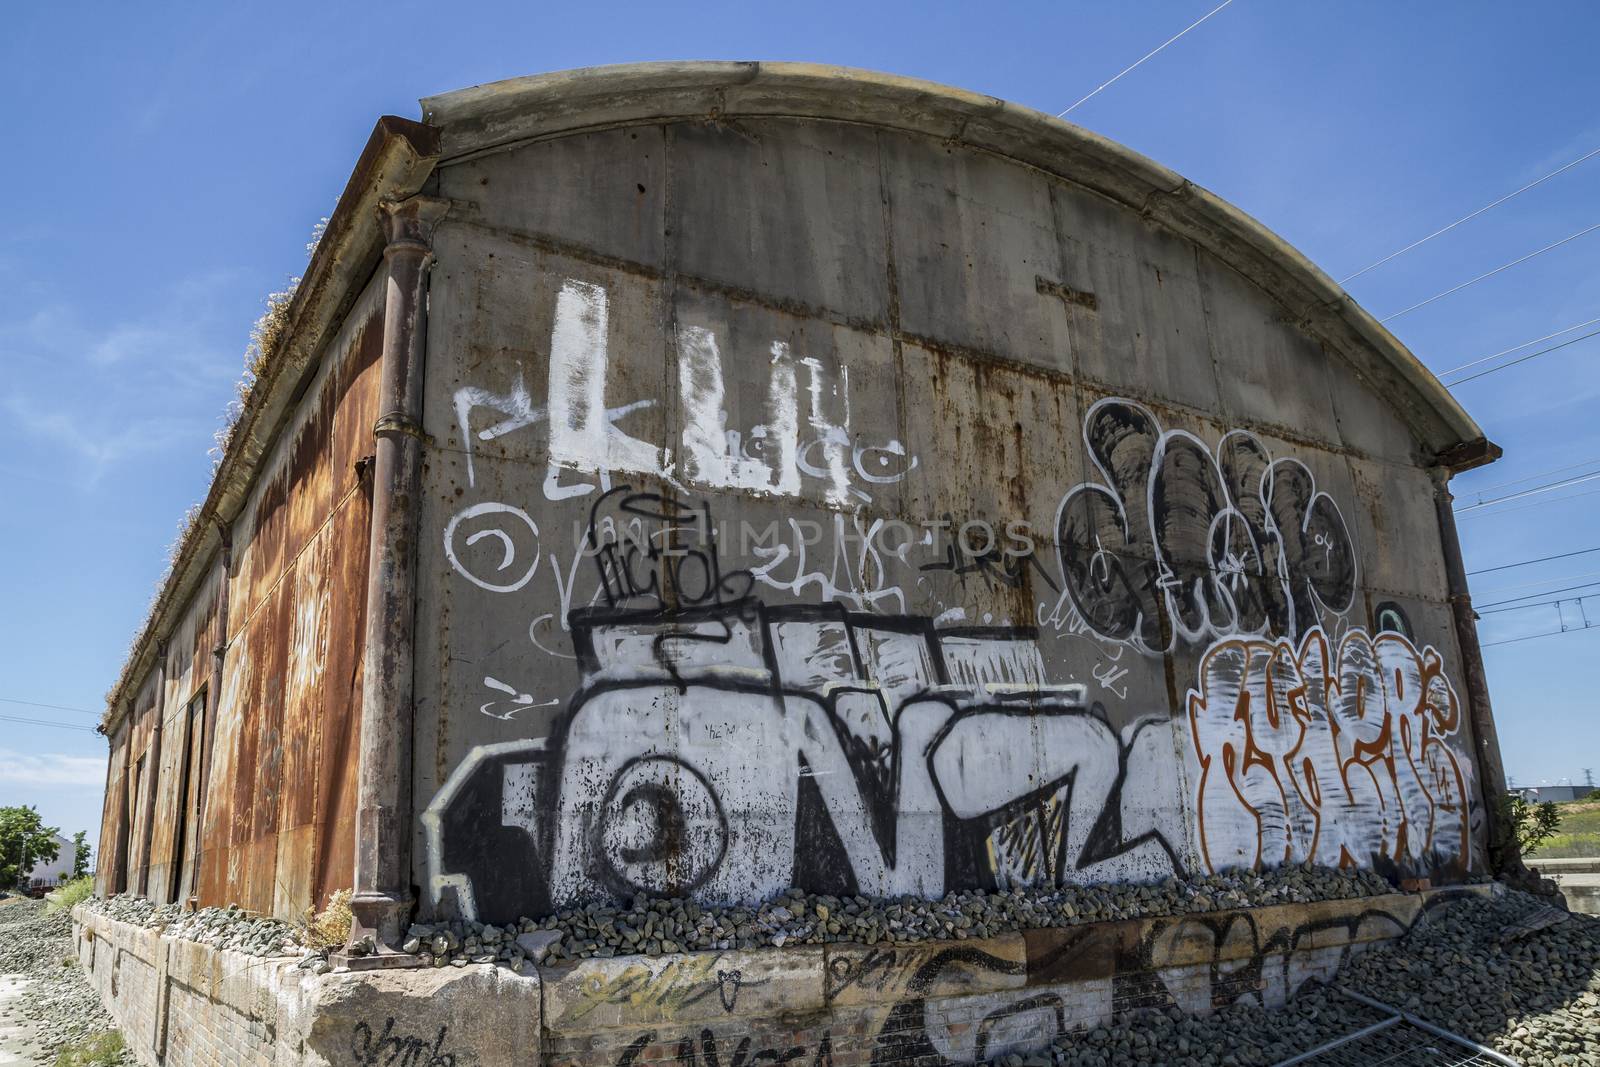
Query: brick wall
{"points": [[184, 1004]]}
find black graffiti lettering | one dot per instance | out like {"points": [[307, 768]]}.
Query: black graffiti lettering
{"points": [[1180, 541], [389, 1049]]}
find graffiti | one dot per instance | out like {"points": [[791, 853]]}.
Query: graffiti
{"points": [[389, 1049], [703, 1050], [713, 738], [506, 535], [1178, 541], [863, 696], [796, 443], [1392, 617], [1339, 759], [990, 561]]}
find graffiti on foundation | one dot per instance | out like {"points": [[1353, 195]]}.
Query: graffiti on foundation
{"points": [[704, 1050], [1334, 756], [1178, 541], [949, 1003], [805, 435], [713, 741], [389, 1049]]}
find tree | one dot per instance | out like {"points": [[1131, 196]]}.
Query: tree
{"points": [[24, 841], [80, 858]]}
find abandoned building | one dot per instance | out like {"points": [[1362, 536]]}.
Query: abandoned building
{"points": [[699, 480]]}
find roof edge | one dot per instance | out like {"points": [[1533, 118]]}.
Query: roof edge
{"points": [[486, 117], [398, 159]]}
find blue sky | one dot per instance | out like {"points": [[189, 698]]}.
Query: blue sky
{"points": [[168, 162]]}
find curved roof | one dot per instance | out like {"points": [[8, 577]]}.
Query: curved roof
{"points": [[504, 113]]}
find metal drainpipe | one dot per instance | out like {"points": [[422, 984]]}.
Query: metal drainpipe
{"points": [[381, 902], [1504, 858], [152, 770], [208, 723]]}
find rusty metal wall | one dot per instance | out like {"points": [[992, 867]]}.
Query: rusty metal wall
{"points": [[112, 821], [805, 335], [188, 670], [279, 800]]}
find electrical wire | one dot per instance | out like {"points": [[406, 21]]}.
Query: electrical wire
{"points": [[1529, 562], [1469, 217], [1536, 474], [1148, 55], [1547, 633], [1498, 606], [1545, 581], [1515, 348], [1522, 359], [1490, 274], [52, 707], [1535, 504], [46, 722], [1559, 483]]}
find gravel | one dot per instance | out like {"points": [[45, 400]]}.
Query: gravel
{"points": [[230, 927], [1535, 998], [1530, 991], [657, 927], [61, 1005]]}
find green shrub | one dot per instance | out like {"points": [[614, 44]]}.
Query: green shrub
{"points": [[101, 1050], [1534, 823], [73, 892]]}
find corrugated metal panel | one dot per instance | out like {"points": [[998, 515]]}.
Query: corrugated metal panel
{"points": [[281, 802], [111, 818], [143, 763], [187, 672]]}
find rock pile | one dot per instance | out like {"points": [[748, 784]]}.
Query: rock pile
{"points": [[230, 927], [62, 1007], [1477, 970], [1473, 968], [656, 927]]}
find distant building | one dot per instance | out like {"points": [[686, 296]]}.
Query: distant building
{"points": [[54, 872], [1538, 794]]}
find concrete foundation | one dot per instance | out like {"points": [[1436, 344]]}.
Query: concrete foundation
{"points": [[180, 1003]]}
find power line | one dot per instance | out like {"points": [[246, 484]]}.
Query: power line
{"points": [[1530, 562], [52, 707], [1536, 474], [1540, 503], [46, 722], [1547, 633], [1530, 585], [1489, 274], [1522, 359], [1470, 217], [1559, 483], [1147, 55], [1514, 348], [1498, 606]]}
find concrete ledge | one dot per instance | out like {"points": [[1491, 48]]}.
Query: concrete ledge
{"points": [[180, 1002]]}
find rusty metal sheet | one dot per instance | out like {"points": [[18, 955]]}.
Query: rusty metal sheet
{"points": [[340, 734], [356, 386], [307, 585], [111, 817]]}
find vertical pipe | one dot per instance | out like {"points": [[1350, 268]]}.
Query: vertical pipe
{"points": [[208, 726], [381, 902], [152, 770], [1490, 774]]}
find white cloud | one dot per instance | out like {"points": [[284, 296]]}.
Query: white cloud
{"points": [[51, 768]]}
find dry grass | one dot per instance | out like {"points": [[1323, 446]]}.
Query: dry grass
{"points": [[330, 927]]}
